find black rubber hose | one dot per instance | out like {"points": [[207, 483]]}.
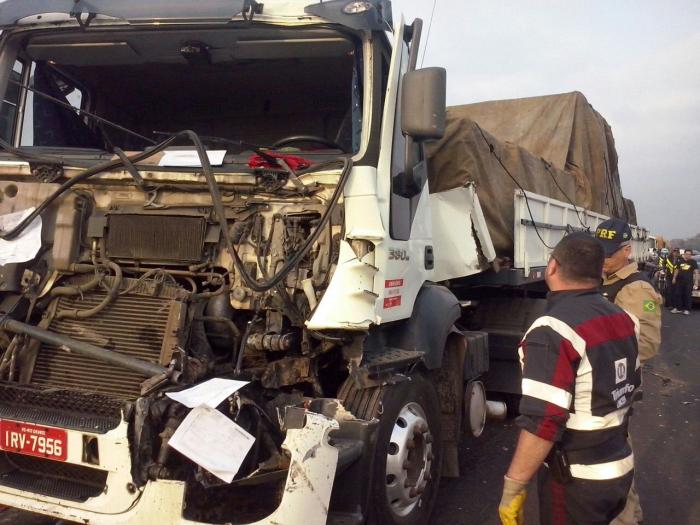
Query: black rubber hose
{"points": [[108, 299], [267, 284], [129, 166], [217, 202], [230, 325], [69, 291], [90, 172]]}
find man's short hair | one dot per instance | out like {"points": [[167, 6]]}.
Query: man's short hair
{"points": [[689, 251], [580, 257]]}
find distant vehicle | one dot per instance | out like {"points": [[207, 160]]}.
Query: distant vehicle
{"points": [[696, 292]]}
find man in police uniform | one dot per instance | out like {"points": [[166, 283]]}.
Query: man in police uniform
{"points": [[580, 372], [664, 275], [666, 261], [685, 278], [671, 289], [630, 290]]}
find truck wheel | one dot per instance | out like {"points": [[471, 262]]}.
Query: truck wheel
{"points": [[408, 451]]}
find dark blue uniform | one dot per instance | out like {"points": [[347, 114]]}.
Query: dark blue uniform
{"points": [[684, 284]]}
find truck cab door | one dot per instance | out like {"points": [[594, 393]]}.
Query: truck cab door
{"points": [[404, 258]]}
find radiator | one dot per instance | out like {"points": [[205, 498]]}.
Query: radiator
{"points": [[145, 324], [162, 238]]}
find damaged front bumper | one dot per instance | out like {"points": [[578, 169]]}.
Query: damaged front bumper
{"points": [[305, 500]]}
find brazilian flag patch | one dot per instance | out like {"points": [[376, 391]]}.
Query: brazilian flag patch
{"points": [[649, 306]]}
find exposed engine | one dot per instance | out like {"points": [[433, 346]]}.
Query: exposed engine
{"points": [[144, 275]]}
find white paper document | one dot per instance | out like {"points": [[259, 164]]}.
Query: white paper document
{"points": [[210, 393], [190, 158], [24, 247], [213, 441]]}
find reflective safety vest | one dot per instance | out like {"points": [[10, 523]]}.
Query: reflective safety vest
{"points": [[668, 263], [580, 372]]}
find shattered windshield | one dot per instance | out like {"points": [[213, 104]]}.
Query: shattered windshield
{"points": [[261, 86]]}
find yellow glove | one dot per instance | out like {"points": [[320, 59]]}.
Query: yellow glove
{"points": [[512, 502]]}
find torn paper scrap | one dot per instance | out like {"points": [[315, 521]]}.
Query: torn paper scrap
{"points": [[190, 158], [210, 393], [24, 247], [213, 441]]}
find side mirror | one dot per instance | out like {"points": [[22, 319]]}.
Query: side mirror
{"points": [[423, 103]]}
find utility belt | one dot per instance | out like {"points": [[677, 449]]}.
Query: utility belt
{"points": [[585, 461]]}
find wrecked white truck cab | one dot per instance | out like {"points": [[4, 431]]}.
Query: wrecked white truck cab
{"points": [[238, 190], [254, 247]]}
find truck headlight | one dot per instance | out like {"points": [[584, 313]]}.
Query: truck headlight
{"points": [[355, 8]]}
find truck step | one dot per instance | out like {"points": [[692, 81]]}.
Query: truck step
{"points": [[52, 478]]}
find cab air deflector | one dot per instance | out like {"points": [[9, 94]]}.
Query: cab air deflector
{"points": [[12, 11]]}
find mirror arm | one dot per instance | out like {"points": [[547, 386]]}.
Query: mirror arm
{"points": [[408, 158], [416, 32]]}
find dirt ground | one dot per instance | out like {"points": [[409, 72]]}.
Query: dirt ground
{"points": [[665, 431]]}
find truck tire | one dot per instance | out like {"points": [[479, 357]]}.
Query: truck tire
{"points": [[408, 453]]}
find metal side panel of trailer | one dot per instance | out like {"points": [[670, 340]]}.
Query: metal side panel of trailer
{"points": [[541, 222]]}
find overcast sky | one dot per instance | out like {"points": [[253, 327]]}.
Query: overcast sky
{"points": [[637, 63]]}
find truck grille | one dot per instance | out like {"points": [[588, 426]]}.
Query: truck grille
{"points": [[141, 325], [52, 478], [74, 410], [162, 238]]}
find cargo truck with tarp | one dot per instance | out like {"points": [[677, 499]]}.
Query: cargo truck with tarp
{"points": [[251, 268]]}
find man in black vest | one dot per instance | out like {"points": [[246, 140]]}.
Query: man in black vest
{"points": [[580, 372], [685, 278], [664, 275], [671, 295]]}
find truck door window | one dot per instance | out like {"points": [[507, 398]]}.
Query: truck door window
{"points": [[10, 103], [403, 209]]}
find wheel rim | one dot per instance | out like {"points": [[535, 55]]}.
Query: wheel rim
{"points": [[409, 459]]}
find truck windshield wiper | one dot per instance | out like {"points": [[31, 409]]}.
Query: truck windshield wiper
{"points": [[88, 114], [30, 157]]}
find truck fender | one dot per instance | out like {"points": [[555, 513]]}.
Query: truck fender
{"points": [[435, 311]]}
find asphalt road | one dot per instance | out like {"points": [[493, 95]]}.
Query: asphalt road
{"points": [[665, 431]]}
